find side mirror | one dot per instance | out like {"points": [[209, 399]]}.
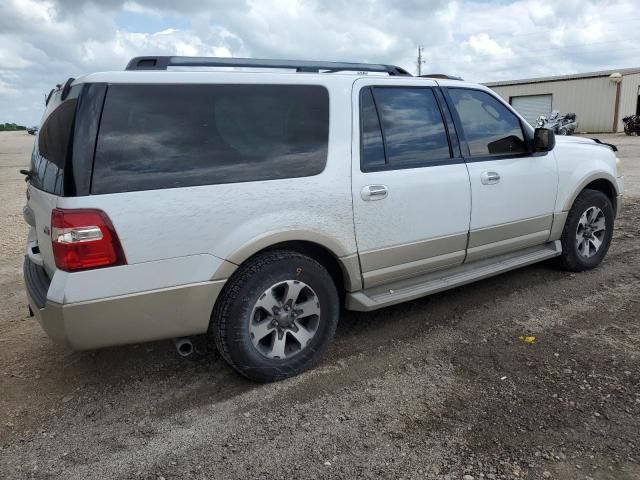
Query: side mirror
{"points": [[543, 140]]}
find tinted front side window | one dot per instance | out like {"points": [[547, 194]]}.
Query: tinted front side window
{"points": [[489, 127], [164, 136], [412, 124]]}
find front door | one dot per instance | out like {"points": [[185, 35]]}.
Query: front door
{"points": [[411, 194], [513, 191]]}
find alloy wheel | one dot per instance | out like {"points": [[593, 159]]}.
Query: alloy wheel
{"points": [[591, 232], [284, 319]]}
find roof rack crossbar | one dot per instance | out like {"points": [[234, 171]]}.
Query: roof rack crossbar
{"points": [[164, 62]]}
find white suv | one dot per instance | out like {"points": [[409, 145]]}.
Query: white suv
{"points": [[253, 205]]}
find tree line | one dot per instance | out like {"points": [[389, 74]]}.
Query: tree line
{"points": [[11, 127]]}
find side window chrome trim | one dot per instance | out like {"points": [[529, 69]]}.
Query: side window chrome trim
{"points": [[491, 158], [435, 163]]}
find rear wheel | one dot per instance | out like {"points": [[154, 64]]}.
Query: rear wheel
{"points": [[276, 315], [587, 232]]}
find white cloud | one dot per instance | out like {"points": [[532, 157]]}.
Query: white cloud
{"points": [[134, 7], [539, 12], [44, 42], [8, 90], [484, 45]]}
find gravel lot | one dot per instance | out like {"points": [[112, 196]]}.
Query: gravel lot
{"points": [[438, 388]]}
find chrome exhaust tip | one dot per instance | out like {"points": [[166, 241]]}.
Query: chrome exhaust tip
{"points": [[184, 346]]}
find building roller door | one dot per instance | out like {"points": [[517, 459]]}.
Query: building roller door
{"points": [[532, 106]]}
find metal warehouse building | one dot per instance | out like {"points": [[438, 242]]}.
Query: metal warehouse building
{"points": [[599, 99]]}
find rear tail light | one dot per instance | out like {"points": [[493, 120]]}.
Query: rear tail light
{"points": [[84, 239]]}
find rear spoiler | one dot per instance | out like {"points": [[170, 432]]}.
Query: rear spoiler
{"points": [[65, 91], [610, 145]]}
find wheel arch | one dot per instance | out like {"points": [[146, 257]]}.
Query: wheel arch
{"points": [[605, 186], [343, 267], [601, 182], [323, 256]]}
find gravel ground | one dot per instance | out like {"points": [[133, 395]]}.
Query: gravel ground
{"points": [[437, 388]]}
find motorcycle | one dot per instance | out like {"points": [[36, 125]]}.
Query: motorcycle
{"points": [[632, 124], [561, 124]]}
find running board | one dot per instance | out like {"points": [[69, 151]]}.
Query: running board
{"points": [[405, 290]]}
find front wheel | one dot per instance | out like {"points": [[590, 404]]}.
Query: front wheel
{"points": [[587, 232], [276, 315]]}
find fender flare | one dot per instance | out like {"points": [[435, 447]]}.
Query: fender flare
{"points": [[586, 181], [348, 260]]}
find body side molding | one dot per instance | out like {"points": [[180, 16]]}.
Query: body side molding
{"points": [[405, 290]]}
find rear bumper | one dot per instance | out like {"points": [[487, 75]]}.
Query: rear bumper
{"points": [[139, 317]]}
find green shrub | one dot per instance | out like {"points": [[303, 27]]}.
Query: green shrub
{"points": [[11, 127]]}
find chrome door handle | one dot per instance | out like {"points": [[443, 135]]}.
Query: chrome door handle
{"points": [[374, 192], [489, 178]]}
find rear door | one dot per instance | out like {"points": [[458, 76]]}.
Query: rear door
{"points": [[410, 186]]}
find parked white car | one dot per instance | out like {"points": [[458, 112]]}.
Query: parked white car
{"points": [[252, 206]]}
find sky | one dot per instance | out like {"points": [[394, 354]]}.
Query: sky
{"points": [[44, 42]]}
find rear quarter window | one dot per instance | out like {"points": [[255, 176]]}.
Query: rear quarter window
{"points": [[51, 150], [167, 136]]}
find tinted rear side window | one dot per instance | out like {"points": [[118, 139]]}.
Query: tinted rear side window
{"points": [[413, 127], [165, 136], [372, 146], [401, 127], [50, 155]]}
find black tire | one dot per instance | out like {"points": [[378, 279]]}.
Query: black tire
{"points": [[627, 130], [233, 311], [571, 259]]}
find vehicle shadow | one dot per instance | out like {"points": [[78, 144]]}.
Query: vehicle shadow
{"points": [[152, 380]]}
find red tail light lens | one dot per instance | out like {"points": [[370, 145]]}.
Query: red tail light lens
{"points": [[84, 239]]}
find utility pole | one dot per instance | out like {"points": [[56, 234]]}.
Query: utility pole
{"points": [[420, 60]]}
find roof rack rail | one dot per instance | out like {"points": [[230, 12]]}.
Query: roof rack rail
{"points": [[442, 76], [164, 62]]}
